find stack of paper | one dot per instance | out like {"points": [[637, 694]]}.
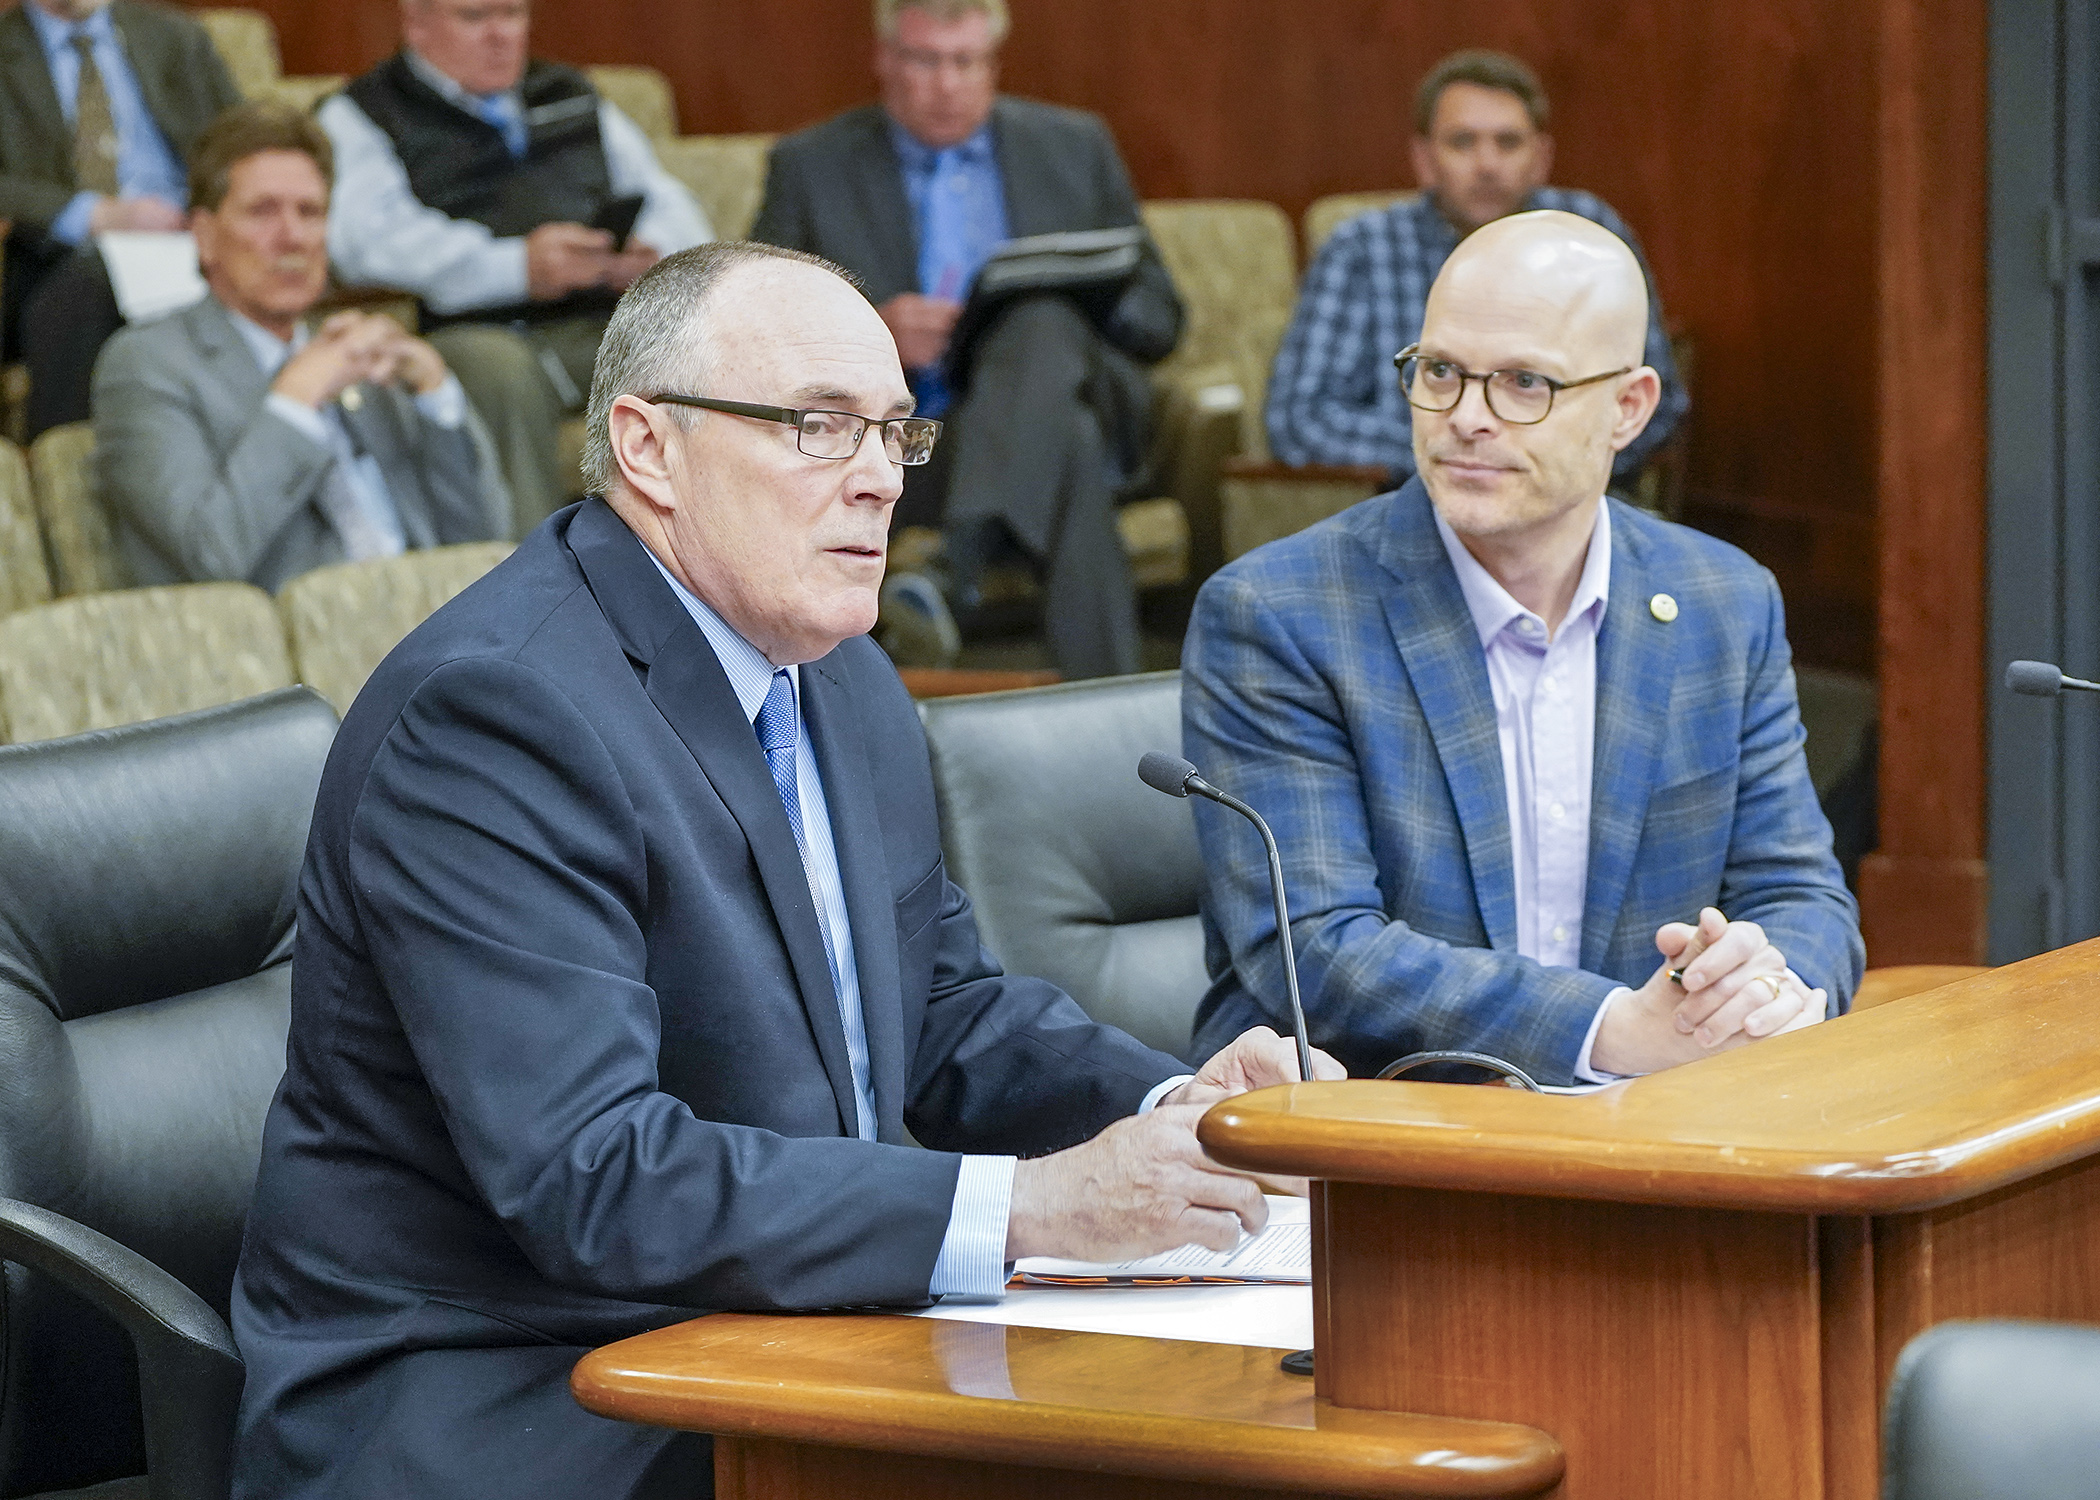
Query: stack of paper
{"points": [[1282, 1252]]}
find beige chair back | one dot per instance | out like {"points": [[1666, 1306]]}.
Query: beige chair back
{"points": [[305, 91], [343, 620], [123, 658], [641, 93], [1233, 261], [246, 40], [1326, 214], [727, 173], [25, 578], [84, 556]]}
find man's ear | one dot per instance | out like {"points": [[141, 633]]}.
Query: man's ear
{"points": [[1422, 152], [644, 440], [1638, 397], [1542, 168], [204, 228]]}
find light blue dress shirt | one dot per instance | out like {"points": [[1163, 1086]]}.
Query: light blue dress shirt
{"points": [[147, 166], [958, 202], [972, 1262], [1545, 688], [375, 531]]}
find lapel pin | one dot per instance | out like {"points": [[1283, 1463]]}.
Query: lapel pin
{"points": [[352, 398], [1663, 607]]}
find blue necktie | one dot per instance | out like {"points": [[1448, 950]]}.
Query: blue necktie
{"points": [[777, 733], [497, 110]]}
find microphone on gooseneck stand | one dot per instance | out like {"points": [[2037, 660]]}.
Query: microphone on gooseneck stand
{"points": [[2041, 679], [1177, 778]]}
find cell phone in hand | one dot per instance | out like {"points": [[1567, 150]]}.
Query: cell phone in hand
{"points": [[616, 217]]}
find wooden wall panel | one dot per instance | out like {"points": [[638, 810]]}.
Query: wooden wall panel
{"points": [[1738, 141]]}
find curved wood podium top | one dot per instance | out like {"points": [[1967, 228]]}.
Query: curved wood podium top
{"points": [[1924, 1101], [1153, 1407]]}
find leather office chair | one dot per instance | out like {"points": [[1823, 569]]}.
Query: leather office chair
{"points": [[1995, 1411], [1080, 873], [146, 898]]}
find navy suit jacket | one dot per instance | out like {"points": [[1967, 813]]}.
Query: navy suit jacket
{"points": [[1335, 680], [565, 1059]]}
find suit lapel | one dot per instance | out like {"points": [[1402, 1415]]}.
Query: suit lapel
{"points": [[28, 78], [1440, 651], [1636, 665], [690, 689], [849, 794], [1030, 178], [878, 182]]}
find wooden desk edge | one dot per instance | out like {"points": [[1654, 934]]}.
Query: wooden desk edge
{"points": [[1676, 1174], [1349, 1452]]}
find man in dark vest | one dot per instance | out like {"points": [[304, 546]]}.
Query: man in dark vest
{"points": [[98, 106], [469, 174]]}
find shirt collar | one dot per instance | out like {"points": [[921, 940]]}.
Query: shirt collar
{"points": [[750, 673], [269, 350], [917, 156], [450, 89], [56, 35], [1490, 603]]}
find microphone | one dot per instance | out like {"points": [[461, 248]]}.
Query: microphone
{"points": [[2041, 679], [1177, 778]]}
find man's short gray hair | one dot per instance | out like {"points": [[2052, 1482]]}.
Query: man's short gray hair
{"points": [[658, 340], [941, 10]]}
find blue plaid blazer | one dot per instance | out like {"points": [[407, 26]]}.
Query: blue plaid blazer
{"points": [[1334, 680]]}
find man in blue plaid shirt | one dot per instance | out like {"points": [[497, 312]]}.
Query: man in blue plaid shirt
{"points": [[1480, 152]]}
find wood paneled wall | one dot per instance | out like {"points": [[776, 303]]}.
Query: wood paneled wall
{"points": [[1807, 178], [1737, 140]]}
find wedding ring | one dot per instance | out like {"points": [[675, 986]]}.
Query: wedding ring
{"points": [[1778, 985]]}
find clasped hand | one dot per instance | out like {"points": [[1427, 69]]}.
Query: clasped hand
{"points": [[1143, 1185], [1734, 987], [353, 348]]}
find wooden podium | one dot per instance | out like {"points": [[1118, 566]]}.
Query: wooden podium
{"points": [[1695, 1283]]}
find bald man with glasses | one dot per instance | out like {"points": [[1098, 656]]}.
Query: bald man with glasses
{"points": [[1533, 756]]}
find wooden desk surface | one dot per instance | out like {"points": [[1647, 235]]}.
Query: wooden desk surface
{"points": [[1153, 1407], [1924, 1101]]}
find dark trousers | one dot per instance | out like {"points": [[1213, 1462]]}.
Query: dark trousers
{"points": [[68, 314], [1051, 423]]}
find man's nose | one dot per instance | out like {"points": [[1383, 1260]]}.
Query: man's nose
{"points": [[1473, 414], [875, 474]]}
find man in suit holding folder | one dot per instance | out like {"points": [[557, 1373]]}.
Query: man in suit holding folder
{"points": [[1522, 745], [627, 956], [913, 195]]}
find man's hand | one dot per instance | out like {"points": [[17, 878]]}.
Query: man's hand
{"points": [[1139, 1187], [1736, 988], [921, 326], [625, 267], [353, 348], [563, 258], [1256, 1059], [114, 215]]}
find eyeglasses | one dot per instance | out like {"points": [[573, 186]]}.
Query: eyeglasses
{"points": [[829, 434], [1518, 396]]}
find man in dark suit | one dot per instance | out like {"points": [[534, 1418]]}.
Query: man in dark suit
{"points": [[913, 195], [235, 439], [99, 104], [627, 956]]}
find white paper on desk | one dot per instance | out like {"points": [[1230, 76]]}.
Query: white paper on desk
{"points": [[1274, 1316], [152, 274], [1281, 1252]]}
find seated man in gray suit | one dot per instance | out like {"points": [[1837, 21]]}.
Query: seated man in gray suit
{"points": [[235, 441], [913, 195]]}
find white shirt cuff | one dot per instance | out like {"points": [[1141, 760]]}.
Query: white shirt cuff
{"points": [[300, 415], [1161, 1090], [1584, 1073], [446, 406], [972, 1263]]}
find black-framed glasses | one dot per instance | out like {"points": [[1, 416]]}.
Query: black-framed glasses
{"points": [[829, 434], [1519, 396]]}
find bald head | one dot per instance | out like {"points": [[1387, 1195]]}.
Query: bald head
{"points": [[1556, 304], [1563, 279]]}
